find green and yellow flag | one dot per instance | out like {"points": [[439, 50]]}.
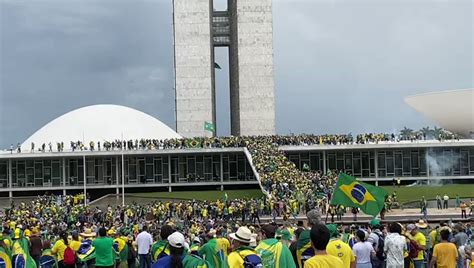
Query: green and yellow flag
{"points": [[350, 192], [209, 126]]}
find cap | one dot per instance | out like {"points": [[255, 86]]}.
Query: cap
{"points": [[332, 230], [176, 240], [411, 227], [375, 222]]}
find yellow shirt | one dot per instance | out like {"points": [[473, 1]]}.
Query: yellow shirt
{"points": [[224, 244], [433, 237], [446, 255], [324, 261], [75, 245], [339, 249], [58, 249], [421, 240]]}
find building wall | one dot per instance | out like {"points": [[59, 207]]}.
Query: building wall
{"points": [[251, 60], [193, 66]]}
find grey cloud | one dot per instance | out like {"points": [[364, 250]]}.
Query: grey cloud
{"points": [[340, 66]]}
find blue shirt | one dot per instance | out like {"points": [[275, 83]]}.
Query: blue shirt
{"points": [[164, 262]]}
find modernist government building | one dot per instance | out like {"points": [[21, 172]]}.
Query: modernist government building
{"points": [[245, 27]]}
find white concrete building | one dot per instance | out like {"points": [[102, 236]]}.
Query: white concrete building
{"points": [[99, 123], [451, 109]]}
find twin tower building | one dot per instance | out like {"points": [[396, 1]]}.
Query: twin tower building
{"points": [[246, 28]]}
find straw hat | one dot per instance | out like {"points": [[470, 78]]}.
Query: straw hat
{"points": [[243, 235], [421, 224], [88, 233]]}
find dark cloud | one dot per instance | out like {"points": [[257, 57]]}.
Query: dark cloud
{"points": [[340, 66]]}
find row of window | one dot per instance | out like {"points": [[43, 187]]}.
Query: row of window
{"points": [[137, 169], [392, 163]]}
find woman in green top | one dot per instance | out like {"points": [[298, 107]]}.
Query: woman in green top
{"points": [[104, 252]]}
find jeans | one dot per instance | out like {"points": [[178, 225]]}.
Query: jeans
{"points": [[145, 261], [419, 263]]}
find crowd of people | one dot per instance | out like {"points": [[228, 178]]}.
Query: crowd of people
{"points": [[63, 232], [231, 141]]}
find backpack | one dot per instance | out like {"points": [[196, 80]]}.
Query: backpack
{"points": [[413, 249], [379, 252], [69, 256], [252, 261]]}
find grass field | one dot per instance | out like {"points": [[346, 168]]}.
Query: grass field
{"points": [[414, 193], [204, 195], [405, 194]]}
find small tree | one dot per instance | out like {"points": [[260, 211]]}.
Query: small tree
{"points": [[406, 133]]}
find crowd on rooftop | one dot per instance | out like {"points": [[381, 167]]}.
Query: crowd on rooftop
{"points": [[231, 141]]}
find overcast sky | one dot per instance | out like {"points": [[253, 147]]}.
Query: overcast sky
{"points": [[340, 66]]}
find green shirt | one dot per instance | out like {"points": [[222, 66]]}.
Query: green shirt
{"points": [[104, 252], [191, 261]]}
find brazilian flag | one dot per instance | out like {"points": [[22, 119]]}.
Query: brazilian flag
{"points": [[194, 143], [350, 192], [5, 259]]}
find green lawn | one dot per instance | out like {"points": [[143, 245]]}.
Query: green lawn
{"points": [[405, 194], [414, 193], [204, 195]]}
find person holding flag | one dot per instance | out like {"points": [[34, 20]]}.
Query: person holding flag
{"points": [[20, 251], [213, 251], [273, 252], [350, 192], [5, 258]]}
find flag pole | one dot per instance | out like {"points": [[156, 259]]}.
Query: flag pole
{"points": [[123, 174]]}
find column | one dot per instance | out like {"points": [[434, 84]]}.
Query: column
{"points": [[222, 171], [117, 176], [376, 168], [64, 175], [324, 162], [10, 178], [169, 173], [427, 168], [85, 179]]}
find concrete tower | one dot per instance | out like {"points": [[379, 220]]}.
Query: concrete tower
{"points": [[246, 29]]}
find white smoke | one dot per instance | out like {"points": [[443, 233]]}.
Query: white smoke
{"points": [[438, 165]]}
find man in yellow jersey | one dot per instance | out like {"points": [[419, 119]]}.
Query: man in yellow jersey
{"points": [[337, 248], [420, 239], [321, 259], [445, 254], [242, 252]]}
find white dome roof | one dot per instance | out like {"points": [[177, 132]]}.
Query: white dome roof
{"points": [[102, 122], [451, 109]]}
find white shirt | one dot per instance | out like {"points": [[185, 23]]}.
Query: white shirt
{"points": [[394, 247], [363, 250], [144, 242]]}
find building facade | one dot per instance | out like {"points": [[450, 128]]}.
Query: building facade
{"points": [[221, 167], [245, 28]]}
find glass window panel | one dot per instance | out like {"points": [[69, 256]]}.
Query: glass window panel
{"points": [[56, 170], [191, 165], [406, 165], [38, 169], [365, 161], [414, 160], [390, 167]]}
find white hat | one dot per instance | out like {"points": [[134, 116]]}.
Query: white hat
{"points": [[176, 240], [243, 234]]}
